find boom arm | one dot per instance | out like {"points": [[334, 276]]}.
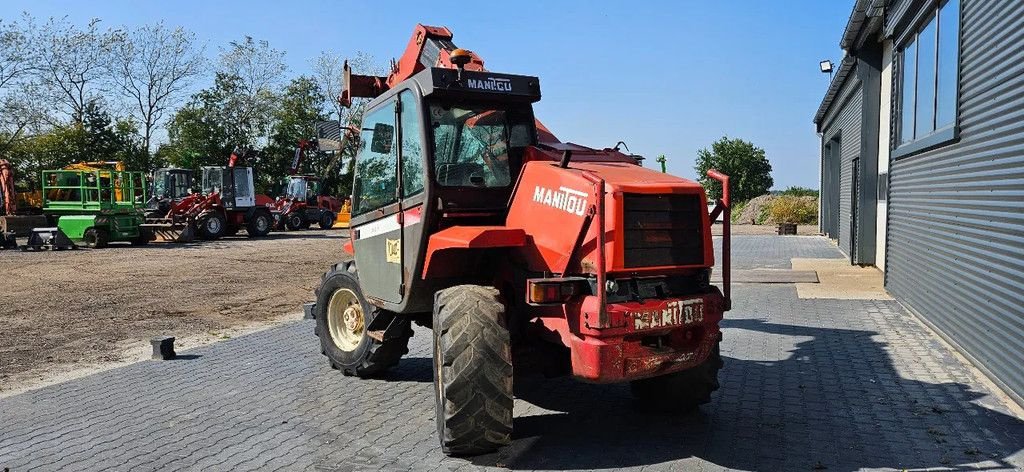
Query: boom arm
{"points": [[430, 46]]}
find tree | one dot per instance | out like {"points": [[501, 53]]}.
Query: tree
{"points": [[71, 63], [259, 70], [299, 110], [15, 52], [204, 131], [151, 66], [21, 112], [97, 137], [750, 173]]}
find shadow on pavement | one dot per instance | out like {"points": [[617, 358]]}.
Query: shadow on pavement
{"points": [[835, 402]]}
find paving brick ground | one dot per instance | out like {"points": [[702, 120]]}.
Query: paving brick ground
{"points": [[807, 385]]}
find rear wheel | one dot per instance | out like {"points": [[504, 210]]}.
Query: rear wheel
{"points": [[144, 237], [342, 319], [679, 392], [96, 238], [326, 220], [294, 221], [472, 370], [211, 226], [259, 225]]}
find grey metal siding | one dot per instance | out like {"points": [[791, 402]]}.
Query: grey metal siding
{"points": [[845, 122], [956, 213]]}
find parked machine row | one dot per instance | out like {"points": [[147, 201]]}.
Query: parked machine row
{"points": [[96, 203]]}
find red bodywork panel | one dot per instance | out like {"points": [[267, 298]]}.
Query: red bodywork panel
{"points": [[548, 193], [444, 246], [553, 227]]}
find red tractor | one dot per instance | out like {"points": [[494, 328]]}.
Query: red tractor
{"points": [[469, 217], [227, 203]]}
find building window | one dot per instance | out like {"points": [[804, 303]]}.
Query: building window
{"points": [[928, 81]]}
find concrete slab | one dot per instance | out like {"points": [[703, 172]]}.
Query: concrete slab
{"points": [[841, 281]]}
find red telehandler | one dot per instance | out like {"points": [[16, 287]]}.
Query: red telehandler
{"points": [[304, 202], [471, 218]]}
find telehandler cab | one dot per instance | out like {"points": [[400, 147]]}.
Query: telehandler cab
{"points": [[471, 218]]}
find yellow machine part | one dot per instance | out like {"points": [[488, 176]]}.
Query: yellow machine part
{"points": [[97, 166], [33, 199], [344, 216]]}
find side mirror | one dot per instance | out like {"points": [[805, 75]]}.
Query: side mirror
{"points": [[383, 137]]}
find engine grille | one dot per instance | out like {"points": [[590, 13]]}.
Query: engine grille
{"points": [[663, 230]]}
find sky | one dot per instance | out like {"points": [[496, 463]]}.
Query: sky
{"points": [[664, 77]]}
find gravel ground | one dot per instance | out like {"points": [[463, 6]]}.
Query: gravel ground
{"points": [[69, 311]]}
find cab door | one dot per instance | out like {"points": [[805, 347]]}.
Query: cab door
{"points": [[376, 211]]}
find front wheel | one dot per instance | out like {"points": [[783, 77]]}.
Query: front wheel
{"points": [[326, 220], [342, 321], [679, 392], [144, 237], [96, 238], [212, 226], [472, 370], [293, 221]]}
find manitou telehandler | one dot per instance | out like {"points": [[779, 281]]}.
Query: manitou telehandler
{"points": [[471, 218]]}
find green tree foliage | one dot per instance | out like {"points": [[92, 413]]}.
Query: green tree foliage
{"points": [[98, 137], [800, 192], [299, 109], [208, 127], [749, 170]]}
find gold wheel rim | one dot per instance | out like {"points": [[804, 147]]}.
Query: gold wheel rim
{"points": [[345, 319]]}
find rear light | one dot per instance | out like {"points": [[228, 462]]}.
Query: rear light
{"points": [[554, 291]]}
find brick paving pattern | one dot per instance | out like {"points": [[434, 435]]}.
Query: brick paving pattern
{"points": [[807, 385]]}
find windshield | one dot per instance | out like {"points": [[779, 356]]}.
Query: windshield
{"points": [[160, 184], [473, 147], [296, 188], [213, 179]]}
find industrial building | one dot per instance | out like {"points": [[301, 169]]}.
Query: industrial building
{"points": [[922, 167]]}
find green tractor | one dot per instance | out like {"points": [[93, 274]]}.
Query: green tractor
{"points": [[96, 207]]}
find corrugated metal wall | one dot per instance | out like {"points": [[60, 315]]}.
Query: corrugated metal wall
{"points": [[844, 120], [956, 214]]}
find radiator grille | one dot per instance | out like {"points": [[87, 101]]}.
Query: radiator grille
{"points": [[663, 230]]}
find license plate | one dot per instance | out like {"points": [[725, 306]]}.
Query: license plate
{"points": [[672, 313]]}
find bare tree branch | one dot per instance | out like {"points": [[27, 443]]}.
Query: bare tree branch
{"points": [[72, 63], [152, 66]]}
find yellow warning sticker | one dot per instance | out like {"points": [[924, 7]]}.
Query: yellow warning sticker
{"points": [[393, 250]]}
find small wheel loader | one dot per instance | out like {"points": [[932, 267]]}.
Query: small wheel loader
{"points": [[471, 218]]}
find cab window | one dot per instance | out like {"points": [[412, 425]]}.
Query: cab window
{"points": [[473, 146], [412, 150], [376, 162]]}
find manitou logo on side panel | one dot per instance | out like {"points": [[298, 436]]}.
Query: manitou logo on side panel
{"points": [[490, 84], [565, 199]]}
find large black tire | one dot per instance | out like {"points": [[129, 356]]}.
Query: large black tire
{"points": [[294, 221], [96, 238], [367, 357], [679, 392], [327, 220], [259, 224], [144, 237], [472, 370], [211, 226]]}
